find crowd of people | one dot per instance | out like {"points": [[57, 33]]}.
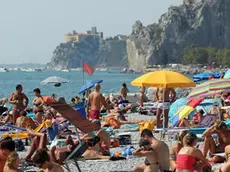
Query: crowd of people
{"points": [[185, 155]]}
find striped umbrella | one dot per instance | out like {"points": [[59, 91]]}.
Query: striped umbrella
{"points": [[210, 88]]}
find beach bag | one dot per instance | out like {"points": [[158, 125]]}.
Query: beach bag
{"points": [[19, 145], [146, 125]]}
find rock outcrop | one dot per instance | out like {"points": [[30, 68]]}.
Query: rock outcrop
{"points": [[110, 52], [196, 22]]}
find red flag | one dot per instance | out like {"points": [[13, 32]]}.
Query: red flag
{"points": [[87, 68]]}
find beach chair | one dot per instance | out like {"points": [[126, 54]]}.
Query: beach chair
{"points": [[79, 122]]}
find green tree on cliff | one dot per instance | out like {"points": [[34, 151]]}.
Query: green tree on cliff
{"points": [[205, 56]]}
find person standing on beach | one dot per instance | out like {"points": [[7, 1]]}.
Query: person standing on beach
{"points": [[124, 91], [19, 101], [163, 99], [162, 152], [95, 100], [142, 96], [38, 103]]}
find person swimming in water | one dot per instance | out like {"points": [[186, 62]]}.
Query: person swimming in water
{"points": [[38, 103]]}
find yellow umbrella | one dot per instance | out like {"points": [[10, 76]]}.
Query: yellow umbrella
{"points": [[163, 79]]}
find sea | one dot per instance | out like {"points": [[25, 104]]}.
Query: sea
{"points": [[112, 81]]}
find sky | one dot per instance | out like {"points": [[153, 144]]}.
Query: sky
{"points": [[30, 30]]}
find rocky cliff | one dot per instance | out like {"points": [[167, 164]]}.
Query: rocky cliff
{"points": [[95, 51], [196, 22]]}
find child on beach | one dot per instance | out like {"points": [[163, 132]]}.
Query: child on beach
{"points": [[124, 91], [147, 151]]}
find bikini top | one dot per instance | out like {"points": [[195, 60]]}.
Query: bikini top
{"points": [[185, 162]]}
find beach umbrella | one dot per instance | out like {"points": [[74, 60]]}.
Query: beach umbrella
{"points": [[210, 88], [175, 106], [89, 84], [186, 111], [207, 104], [54, 80], [163, 79], [227, 74]]}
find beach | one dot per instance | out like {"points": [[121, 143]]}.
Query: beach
{"points": [[120, 165]]}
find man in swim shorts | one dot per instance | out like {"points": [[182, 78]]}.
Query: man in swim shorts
{"points": [[95, 100], [19, 101], [164, 97]]}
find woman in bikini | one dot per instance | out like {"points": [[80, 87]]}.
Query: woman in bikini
{"points": [[38, 105], [151, 155], [176, 148], [12, 163], [189, 157]]}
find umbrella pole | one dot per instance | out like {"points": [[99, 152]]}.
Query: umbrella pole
{"points": [[83, 77], [163, 109]]}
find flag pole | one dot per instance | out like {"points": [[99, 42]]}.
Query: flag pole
{"points": [[83, 77]]}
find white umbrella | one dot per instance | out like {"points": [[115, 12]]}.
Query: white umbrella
{"points": [[54, 80]]}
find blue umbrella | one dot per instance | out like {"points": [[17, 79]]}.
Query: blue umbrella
{"points": [[89, 84], [177, 105], [227, 74]]}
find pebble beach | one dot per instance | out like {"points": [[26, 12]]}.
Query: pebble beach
{"points": [[115, 166]]}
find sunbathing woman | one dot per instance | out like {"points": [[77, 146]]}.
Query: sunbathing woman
{"points": [[196, 120], [189, 157], [176, 148], [24, 121], [38, 105], [151, 155], [12, 163]]}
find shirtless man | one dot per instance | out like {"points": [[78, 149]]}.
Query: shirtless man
{"points": [[226, 166], [147, 151], [161, 148], [221, 129], [163, 98], [17, 99], [41, 160], [95, 100]]}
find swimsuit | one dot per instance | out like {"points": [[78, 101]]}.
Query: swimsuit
{"points": [[163, 105], [94, 114], [16, 110], [185, 162]]}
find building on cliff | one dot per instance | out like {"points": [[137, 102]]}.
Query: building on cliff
{"points": [[78, 37]]}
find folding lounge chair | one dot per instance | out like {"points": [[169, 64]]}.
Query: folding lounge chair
{"points": [[79, 122]]}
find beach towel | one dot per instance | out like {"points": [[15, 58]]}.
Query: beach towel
{"points": [[207, 121]]}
